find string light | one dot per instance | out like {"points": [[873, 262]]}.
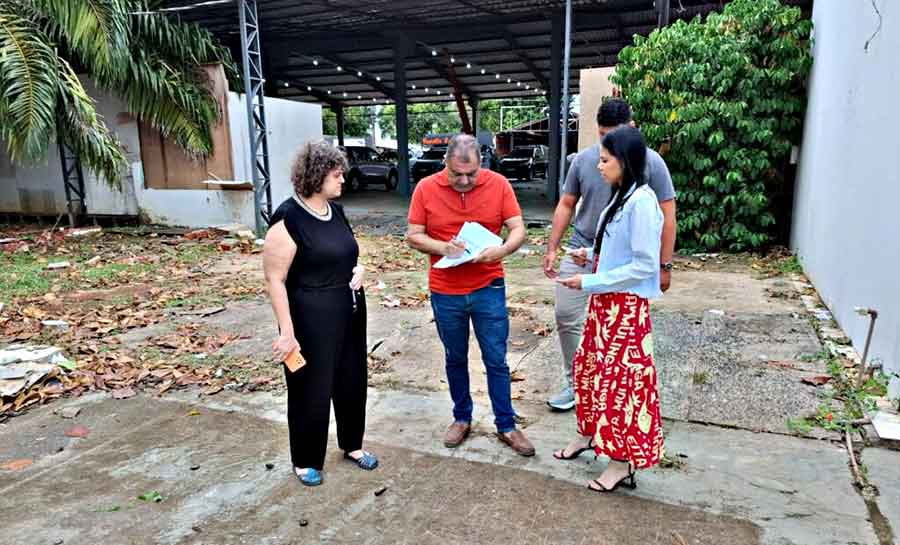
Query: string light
{"points": [[434, 53]]}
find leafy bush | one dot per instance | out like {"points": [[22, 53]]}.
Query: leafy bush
{"points": [[723, 100]]}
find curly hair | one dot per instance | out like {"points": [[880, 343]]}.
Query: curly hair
{"points": [[312, 163]]}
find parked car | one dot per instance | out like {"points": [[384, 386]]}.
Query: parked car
{"points": [[524, 163], [431, 161], [367, 166]]}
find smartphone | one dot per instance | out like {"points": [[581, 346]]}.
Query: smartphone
{"points": [[294, 360]]}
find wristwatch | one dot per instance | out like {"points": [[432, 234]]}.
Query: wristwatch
{"points": [[667, 266]]}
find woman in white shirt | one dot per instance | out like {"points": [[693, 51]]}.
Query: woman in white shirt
{"points": [[616, 399]]}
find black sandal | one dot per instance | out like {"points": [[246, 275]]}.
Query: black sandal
{"points": [[626, 481], [560, 454]]}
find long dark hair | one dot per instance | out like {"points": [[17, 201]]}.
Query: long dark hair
{"points": [[628, 146]]}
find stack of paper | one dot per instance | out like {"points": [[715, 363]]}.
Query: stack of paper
{"points": [[476, 238]]}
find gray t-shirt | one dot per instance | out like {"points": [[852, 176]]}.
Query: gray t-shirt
{"points": [[584, 180]]}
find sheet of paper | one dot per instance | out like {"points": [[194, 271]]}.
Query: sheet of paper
{"points": [[477, 238]]}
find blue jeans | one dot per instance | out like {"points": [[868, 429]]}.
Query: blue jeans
{"points": [[486, 308]]}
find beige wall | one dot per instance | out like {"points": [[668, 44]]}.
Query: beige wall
{"points": [[595, 86]]}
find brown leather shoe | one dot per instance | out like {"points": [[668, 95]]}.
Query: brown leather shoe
{"points": [[519, 443], [456, 434]]}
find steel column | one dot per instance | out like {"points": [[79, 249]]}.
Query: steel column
{"points": [[556, 50], [73, 182], [339, 119], [254, 95], [564, 139], [663, 6], [401, 51]]}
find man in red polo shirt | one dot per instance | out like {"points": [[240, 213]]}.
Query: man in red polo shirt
{"points": [[474, 291]]}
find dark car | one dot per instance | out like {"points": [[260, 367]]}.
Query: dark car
{"points": [[524, 163], [367, 166], [431, 161]]}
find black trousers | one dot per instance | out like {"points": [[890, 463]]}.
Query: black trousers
{"points": [[332, 339]]}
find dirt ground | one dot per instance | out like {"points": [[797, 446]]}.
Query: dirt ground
{"points": [[162, 325]]}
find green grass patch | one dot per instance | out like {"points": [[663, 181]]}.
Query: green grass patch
{"points": [[23, 276], [790, 265]]}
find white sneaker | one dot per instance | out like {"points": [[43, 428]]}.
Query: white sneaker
{"points": [[563, 401]]}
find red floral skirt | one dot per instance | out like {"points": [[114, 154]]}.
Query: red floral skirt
{"points": [[616, 401]]}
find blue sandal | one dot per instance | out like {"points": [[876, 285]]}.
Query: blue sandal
{"points": [[367, 461], [311, 477]]}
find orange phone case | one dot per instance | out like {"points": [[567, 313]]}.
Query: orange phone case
{"points": [[294, 360]]}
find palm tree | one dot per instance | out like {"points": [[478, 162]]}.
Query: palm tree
{"points": [[127, 48]]}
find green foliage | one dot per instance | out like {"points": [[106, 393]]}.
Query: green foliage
{"points": [[530, 110], [844, 404], [357, 121], [723, 100], [443, 117], [424, 118], [147, 59]]}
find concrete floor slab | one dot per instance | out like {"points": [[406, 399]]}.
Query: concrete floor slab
{"points": [[884, 472], [217, 489]]}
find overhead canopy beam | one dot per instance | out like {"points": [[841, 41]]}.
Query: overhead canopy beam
{"points": [[367, 78], [529, 64], [443, 72]]}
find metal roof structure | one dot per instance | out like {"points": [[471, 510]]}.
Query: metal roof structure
{"points": [[343, 51], [354, 52]]}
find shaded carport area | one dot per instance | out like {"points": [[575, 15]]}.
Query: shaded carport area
{"points": [[342, 53]]}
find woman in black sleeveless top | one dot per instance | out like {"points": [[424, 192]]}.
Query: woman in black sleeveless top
{"points": [[315, 285]]}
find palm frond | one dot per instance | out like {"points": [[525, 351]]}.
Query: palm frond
{"points": [[183, 44], [96, 30], [178, 104], [83, 131], [28, 86]]}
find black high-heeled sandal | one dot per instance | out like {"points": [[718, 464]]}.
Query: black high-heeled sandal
{"points": [[626, 481], [575, 454]]}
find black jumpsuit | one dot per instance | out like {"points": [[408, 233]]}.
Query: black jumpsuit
{"points": [[332, 335]]}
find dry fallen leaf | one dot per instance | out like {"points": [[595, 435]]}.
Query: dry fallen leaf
{"points": [[817, 380], [517, 376], [123, 393], [16, 465], [77, 431], [213, 389]]}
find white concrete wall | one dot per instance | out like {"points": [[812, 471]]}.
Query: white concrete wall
{"points": [[846, 227], [290, 124], [42, 183], [595, 86]]}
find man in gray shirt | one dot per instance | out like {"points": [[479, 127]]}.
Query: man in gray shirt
{"points": [[585, 183]]}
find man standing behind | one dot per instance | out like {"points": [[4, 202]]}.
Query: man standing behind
{"points": [[585, 182], [473, 291]]}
